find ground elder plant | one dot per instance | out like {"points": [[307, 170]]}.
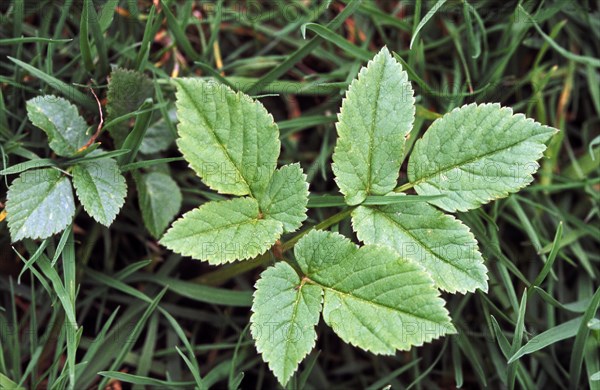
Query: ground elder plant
{"points": [[381, 296]]}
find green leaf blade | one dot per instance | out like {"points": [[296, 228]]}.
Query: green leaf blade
{"points": [[230, 140], [376, 116], [223, 231], [476, 154], [286, 197], [373, 298], [159, 198], [419, 232], [285, 313], [60, 120], [158, 137], [39, 204], [101, 188], [553, 335]]}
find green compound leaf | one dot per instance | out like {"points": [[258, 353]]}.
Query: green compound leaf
{"points": [[101, 188], [61, 121], [230, 140], [440, 243], [127, 90], [376, 116], [475, 154], [286, 197], [39, 204], [159, 198], [223, 231], [285, 313], [373, 298]]}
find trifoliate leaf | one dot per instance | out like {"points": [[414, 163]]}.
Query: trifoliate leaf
{"points": [[286, 197], [376, 116], [373, 298], [285, 313], [101, 188], [223, 231], [159, 198], [39, 204], [475, 154], [59, 119], [127, 90], [230, 140], [421, 233]]}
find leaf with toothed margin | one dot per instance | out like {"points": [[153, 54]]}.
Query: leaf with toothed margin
{"points": [[376, 116], [230, 140], [127, 90], [39, 204], [60, 120], [440, 243], [159, 198], [101, 188], [223, 231], [475, 154], [285, 313], [373, 298], [286, 197]]}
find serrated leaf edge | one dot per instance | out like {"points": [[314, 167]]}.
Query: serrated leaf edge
{"points": [[213, 262], [119, 204], [466, 229], [304, 207], [36, 237], [183, 121], [527, 181], [384, 50], [314, 341]]}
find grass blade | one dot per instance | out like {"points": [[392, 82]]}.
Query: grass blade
{"points": [[68, 91], [342, 43], [424, 21], [580, 341], [134, 139], [134, 334], [303, 51], [553, 335]]}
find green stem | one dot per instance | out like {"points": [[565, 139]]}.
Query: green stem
{"points": [[404, 187], [224, 274], [333, 220]]}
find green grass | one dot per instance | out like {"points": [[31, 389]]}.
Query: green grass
{"points": [[94, 306]]}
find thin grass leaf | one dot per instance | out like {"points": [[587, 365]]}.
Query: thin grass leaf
{"points": [[84, 42], [197, 292], [16, 41], [303, 51], [556, 244], [583, 333], [98, 35], [144, 381], [68, 91], [424, 21], [134, 334], [133, 141], [180, 36], [516, 343], [149, 33], [342, 43], [586, 60], [553, 335], [149, 163]]}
